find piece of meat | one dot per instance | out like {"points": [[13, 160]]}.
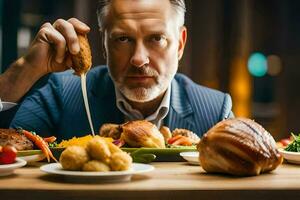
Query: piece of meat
{"points": [[13, 138], [142, 133], [110, 130], [82, 61], [240, 147], [187, 133]]}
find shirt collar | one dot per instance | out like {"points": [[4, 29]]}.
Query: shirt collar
{"points": [[133, 114]]}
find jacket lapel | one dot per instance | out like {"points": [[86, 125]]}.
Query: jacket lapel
{"points": [[180, 113]]}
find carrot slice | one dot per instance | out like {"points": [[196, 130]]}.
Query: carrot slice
{"points": [[184, 141], [173, 139], [39, 142], [50, 139]]}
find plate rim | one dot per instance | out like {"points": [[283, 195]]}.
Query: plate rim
{"points": [[45, 168], [19, 163]]}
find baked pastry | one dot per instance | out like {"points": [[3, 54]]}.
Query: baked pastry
{"points": [[142, 133], [82, 61], [240, 147]]}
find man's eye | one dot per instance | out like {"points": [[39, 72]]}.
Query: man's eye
{"points": [[123, 39], [157, 38]]}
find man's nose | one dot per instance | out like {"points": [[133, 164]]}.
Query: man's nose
{"points": [[140, 56]]}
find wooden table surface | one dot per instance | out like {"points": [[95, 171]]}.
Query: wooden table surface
{"points": [[169, 180]]}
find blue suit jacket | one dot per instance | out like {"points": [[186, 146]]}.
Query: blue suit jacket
{"points": [[58, 107]]}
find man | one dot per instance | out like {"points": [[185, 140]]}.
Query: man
{"points": [[143, 42]]}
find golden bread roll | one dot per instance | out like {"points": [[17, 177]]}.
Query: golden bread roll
{"points": [[240, 147], [82, 61], [142, 133]]}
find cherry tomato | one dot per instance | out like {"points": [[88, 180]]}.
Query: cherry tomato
{"points": [[285, 141], [8, 155]]}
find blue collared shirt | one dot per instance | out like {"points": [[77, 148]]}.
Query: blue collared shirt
{"points": [[133, 114]]}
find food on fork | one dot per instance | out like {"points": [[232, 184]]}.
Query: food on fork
{"points": [[82, 61], [239, 147]]}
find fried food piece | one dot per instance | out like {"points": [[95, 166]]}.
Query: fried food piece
{"points": [[98, 149], [73, 158], [238, 146], [110, 130], [95, 165], [187, 133], [82, 61], [165, 131], [142, 133], [120, 161], [113, 148]]}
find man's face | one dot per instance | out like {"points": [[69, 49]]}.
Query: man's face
{"points": [[143, 44]]}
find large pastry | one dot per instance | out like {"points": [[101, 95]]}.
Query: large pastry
{"points": [[240, 147], [142, 133]]}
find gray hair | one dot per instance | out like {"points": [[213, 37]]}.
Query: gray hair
{"points": [[103, 9]]}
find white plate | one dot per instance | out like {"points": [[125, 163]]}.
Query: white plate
{"points": [[33, 158], [291, 157], [9, 168], [137, 168], [192, 157]]}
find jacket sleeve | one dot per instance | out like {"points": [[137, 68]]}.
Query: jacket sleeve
{"points": [[226, 108], [40, 112]]}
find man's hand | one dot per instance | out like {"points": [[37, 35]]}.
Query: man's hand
{"points": [[50, 50]]}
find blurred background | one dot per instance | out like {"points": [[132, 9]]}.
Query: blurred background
{"points": [[248, 48]]}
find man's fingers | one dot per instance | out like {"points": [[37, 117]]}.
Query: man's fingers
{"points": [[52, 36], [69, 33], [79, 26]]}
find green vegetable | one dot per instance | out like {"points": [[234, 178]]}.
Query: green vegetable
{"points": [[53, 144], [295, 145]]}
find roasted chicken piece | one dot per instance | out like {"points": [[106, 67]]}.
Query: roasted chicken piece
{"points": [[110, 130], [240, 147], [82, 61], [165, 131], [187, 133], [13, 138], [142, 133]]}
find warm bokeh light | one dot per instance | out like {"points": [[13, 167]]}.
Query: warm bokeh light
{"points": [[274, 65], [240, 88]]}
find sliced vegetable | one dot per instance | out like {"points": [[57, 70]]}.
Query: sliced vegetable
{"points": [[39, 142], [294, 146]]}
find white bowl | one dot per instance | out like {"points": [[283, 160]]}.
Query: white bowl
{"points": [[291, 157]]}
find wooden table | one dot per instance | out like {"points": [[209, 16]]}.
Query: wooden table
{"points": [[175, 180]]}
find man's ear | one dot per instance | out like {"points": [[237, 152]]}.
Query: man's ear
{"points": [[182, 41]]}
